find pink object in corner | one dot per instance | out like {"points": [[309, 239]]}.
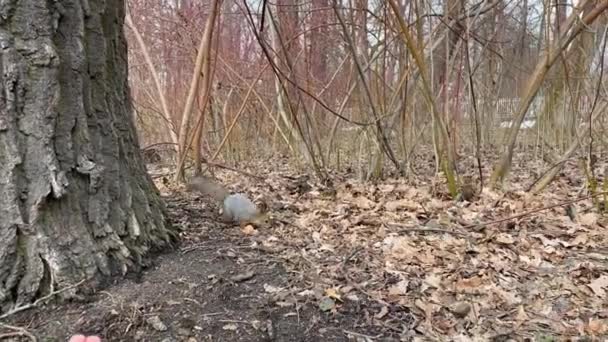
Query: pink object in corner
{"points": [[82, 338]]}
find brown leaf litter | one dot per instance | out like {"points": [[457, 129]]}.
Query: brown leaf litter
{"points": [[390, 261]]}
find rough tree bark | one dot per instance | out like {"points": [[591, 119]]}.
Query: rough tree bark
{"points": [[76, 200]]}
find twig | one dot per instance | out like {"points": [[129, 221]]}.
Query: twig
{"points": [[349, 279], [426, 212], [18, 331], [437, 230], [39, 300], [157, 144], [350, 256], [198, 246], [222, 166], [193, 301], [361, 335], [428, 230], [481, 225], [232, 321]]}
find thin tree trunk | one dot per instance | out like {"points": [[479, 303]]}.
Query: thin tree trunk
{"points": [[76, 200], [572, 29], [207, 79], [202, 61], [159, 89]]}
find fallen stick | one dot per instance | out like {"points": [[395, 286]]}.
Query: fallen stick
{"points": [[39, 300]]}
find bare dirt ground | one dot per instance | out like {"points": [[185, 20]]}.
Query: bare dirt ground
{"points": [[220, 286], [392, 261]]}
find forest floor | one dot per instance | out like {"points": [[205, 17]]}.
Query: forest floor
{"points": [[393, 261]]}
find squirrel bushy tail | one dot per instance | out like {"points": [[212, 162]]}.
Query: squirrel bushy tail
{"points": [[208, 187]]}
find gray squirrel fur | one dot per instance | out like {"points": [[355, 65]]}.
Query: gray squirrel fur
{"points": [[236, 207]]}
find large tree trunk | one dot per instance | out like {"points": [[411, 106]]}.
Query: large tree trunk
{"points": [[76, 200]]}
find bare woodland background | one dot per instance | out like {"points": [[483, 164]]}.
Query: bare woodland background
{"points": [[369, 83]]}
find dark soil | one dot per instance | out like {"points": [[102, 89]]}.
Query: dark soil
{"points": [[219, 286]]}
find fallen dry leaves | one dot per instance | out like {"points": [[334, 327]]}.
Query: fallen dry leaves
{"points": [[397, 245]]}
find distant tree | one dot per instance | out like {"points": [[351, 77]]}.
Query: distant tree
{"points": [[76, 200]]}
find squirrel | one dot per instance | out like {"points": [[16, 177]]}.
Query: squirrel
{"points": [[236, 208]]}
